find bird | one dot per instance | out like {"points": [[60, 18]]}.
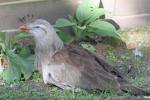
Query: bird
{"points": [[73, 66]]}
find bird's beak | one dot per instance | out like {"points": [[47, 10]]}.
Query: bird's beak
{"points": [[24, 27]]}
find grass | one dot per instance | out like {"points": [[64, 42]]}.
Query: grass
{"points": [[34, 90], [24, 91]]}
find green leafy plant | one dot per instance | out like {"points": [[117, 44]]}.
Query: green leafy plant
{"points": [[20, 62], [86, 23]]}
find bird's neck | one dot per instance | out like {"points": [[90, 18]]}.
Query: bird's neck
{"points": [[49, 44]]}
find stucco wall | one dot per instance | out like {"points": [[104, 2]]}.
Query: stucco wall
{"points": [[47, 9], [128, 13]]}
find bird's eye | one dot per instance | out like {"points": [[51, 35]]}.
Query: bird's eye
{"points": [[37, 27]]}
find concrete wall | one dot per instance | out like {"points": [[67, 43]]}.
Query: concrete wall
{"points": [[128, 13], [47, 9]]}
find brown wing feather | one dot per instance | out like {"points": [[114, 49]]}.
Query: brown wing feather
{"points": [[90, 72], [76, 56], [94, 71]]}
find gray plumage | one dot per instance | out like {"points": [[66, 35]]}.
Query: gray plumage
{"points": [[73, 66]]}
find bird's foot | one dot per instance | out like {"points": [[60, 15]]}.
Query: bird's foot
{"points": [[120, 93], [74, 89], [45, 78]]}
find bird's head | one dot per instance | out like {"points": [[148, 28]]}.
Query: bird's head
{"points": [[44, 34], [38, 28]]}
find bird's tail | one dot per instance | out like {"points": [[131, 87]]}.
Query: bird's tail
{"points": [[134, 90], [128, 87]]}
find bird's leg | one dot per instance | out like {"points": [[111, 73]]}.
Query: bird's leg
{"points": [[45, 76], [48, 79], [73, 89], [57, 83]]}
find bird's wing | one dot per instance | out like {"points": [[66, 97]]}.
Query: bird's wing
{"points": [[91, 71]]}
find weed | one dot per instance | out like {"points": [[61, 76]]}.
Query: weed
{"points": [[19, 57], [86, 23]]}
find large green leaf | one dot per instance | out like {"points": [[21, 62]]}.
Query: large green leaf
{"points": [[96, 13], [18, 66], [95, 3], [62, 22], [2, 46], [92, 3], [66, 38], [27, 67], [24, 52], [21, 35], [104, 28], [12, 74], [85, 9]]}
